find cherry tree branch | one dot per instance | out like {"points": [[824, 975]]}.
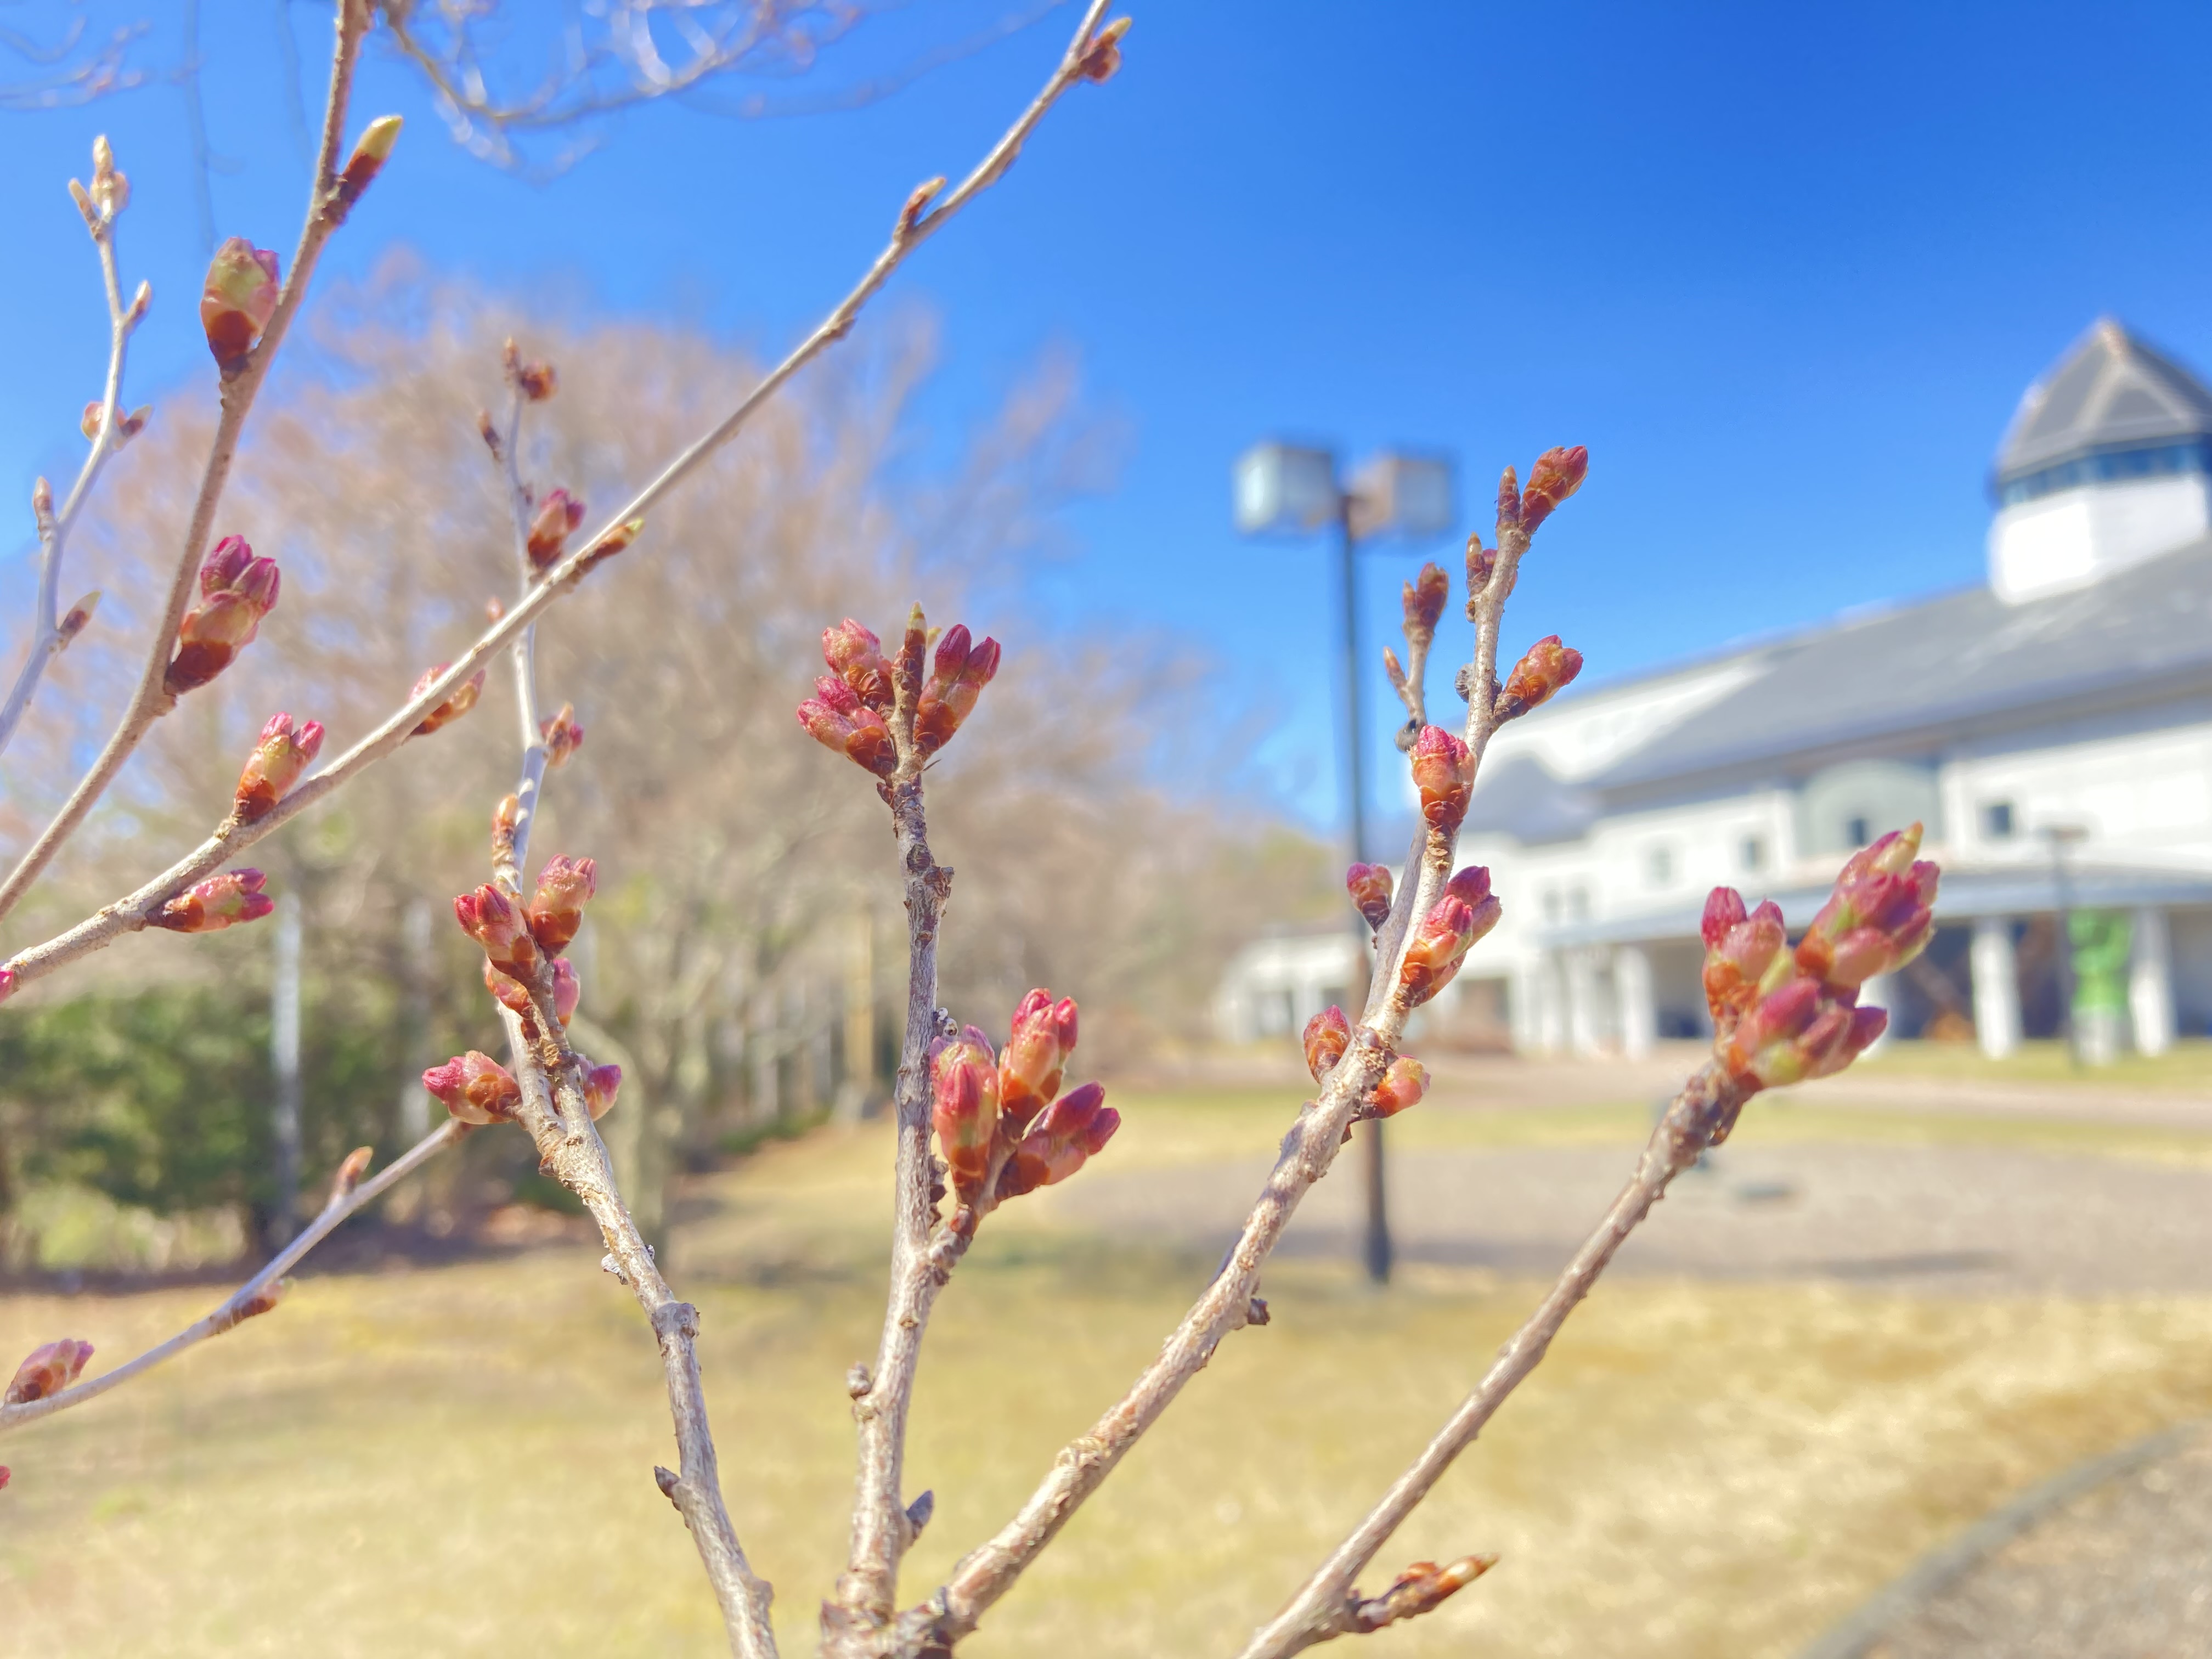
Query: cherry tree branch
{"points": [[1328, 1604], [239, 386], [347, 1196], [1089, 56], [48, 639]]}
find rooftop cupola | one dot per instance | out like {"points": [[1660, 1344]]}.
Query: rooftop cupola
{"points": [[2104, 467]]}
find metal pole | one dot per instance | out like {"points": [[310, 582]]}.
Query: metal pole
{"points": [[1376, 1248], [2065, 918], [284, 1058]]}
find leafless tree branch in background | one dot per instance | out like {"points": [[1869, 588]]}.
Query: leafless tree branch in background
{"points": [[72, 68]]}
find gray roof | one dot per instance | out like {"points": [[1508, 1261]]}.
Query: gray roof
{"points": [[2109, 391], [1520, 797], [1879, 682]]}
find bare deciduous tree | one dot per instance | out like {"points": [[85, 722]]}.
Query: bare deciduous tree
{"points": [[978, 1124]]}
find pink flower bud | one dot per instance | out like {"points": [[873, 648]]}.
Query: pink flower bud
{"points": [[1880, 917], [1402, 1085], [1036, 1054], [860, 735], [238, 299], [1443, 770], [1440, 944], [1480, 562], [1425, 599], [276, 765], [8, 983], [563, 736], [855, 655], [79, 615], [1749, 961], [349, 1172], [1370, 887], [490, 918], [1072, 1130], [212, 905], [47, 1372], [237, 590], [601, 1083], [1471, 887], [565, 886], [840, 697], [474, 1088], [965, 1109], [1724, 910], [568, 991], [557, 515], [1557, 475], [1508, 502], [1329, 1034], [370, 152], [462, 698], [958, 679], [1547, 669]]}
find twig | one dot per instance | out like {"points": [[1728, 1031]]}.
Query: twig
{"points": [[151, 700], [1327, 1604], [47, 640], [867, 1593], [914, 226], [343, 1201]]}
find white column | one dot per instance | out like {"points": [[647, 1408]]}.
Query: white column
{"points": [[1996, 987], [1585, 1018], [1523, 1005], [1639, 1007], [1880, 991], [2151, 983], [1552, 1005]]}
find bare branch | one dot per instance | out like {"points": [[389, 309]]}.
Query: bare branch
{"points": [[1086, 59], [152, 700], [102, 70], [346, 1197]]}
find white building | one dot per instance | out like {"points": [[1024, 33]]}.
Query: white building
{"points": [[2073, 693]]}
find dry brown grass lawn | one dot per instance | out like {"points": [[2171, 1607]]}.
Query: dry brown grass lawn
{"points": [[458, 1460]]}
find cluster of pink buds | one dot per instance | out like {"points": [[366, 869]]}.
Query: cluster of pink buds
{"points": [[962, 669], [494, 921], [1443, 771], [565, 886], [212, 905], [1543, 671], [855, 656], [1328, 1035], [1424, 603], [1000, 1129], [239, 299], [283, 753], [567, 990], [563, 736], [1783, 1016], [1369, 886], [557, 515], [47, 1372], [474, 1088], [369, 155], [237, 590], [835, 718], [1464, 912], [462, 698]]}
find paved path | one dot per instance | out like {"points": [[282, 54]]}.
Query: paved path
{"points": [[1943, 1219]]}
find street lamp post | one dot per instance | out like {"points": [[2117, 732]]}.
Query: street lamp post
{"points": [[1290, 488]]}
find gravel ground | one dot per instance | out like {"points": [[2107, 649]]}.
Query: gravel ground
{"points": [[2123, 1572], [1944, 1220]]}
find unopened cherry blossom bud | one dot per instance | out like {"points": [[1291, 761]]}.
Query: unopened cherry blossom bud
{"points": [[1036, 1054], [1743, 959], [474, 1088], [237, 590], [536, 382], [238, 299], [1103, 56], [565, 886], [1796, 1034], [855, 655], [610, 543], [1328, 1035], [964, 1109], [351, 1171], [957, 678], [370, 152], [1725, 909], [1073, 1129], [263, 1301], [1403, 1083], [49, 1369], [1443, 771], [493, 920], [1880, 917], [1369, 885], [74, 622], [1508, 502], [111, 191], [557, 515], [1547, 668], [1440, 944], [462, 698], [212, 905], [601, 1083], [861, 736], [1480, 562], [1425, 599], [1558, 473], [568, 991], [275, 764], [563, 736]]}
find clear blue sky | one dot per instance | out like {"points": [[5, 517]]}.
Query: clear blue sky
{"points": [[1784, 270]]}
